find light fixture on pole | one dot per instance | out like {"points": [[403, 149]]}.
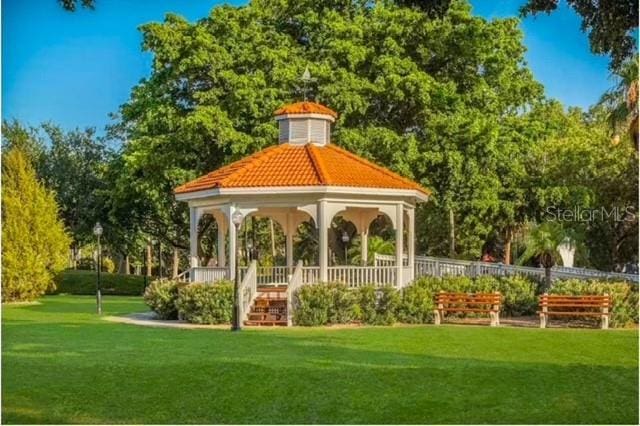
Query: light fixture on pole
{"points": [[345, 240], [97, 231], [236, 219]]}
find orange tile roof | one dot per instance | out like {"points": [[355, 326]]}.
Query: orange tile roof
{"points": [[306, 108], [301, 165]]}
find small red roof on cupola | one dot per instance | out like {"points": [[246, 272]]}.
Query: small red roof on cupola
{"points": [[305, 107]]}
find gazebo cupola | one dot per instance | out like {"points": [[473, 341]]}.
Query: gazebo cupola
{"points": [[306, 122]]}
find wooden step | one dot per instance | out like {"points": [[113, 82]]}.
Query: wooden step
{"points": [[268, 323]]}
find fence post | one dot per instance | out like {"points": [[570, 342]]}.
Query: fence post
{"points": [[437, 268]]}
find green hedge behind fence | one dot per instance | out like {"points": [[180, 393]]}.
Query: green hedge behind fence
{"points": [[84, 282]]}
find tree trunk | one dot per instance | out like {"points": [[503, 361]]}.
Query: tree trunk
{"points": [[176, 262], [547, 279], [149, 259], [508, 238], [452, 234], [126, 265]]}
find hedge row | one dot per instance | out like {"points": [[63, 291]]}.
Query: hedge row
{"points": [[325, 304], [196, 303], [84, 282], [333, 303]]}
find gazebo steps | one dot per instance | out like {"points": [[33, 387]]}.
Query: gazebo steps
{"points": [[269, 307]]}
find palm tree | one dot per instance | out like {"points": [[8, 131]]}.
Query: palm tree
{"points": [[375, 244], [542, 243], [621, 102]]}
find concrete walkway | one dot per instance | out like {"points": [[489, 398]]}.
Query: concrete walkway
{"points": [[149, 319]]}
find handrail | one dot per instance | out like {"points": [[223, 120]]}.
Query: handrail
{"points": [[295, 283], [184, 276], [247, 290]]}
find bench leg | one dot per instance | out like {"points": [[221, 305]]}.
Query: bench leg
{"points": [[498, 318], [605, 322], [492, 315], [543, 321], [436, 317]]}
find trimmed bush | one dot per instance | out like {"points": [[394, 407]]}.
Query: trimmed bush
{"points": [[206, 303], [161, 296], [322, 304], [417, 305], [624, 297], [377, 305], [84, 283]]}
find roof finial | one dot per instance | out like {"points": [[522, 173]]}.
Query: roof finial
{"points": [[306, 79]]}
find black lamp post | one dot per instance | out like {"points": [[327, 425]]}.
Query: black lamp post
{"points": [[97, 231], [236, 219], [345, 240]]}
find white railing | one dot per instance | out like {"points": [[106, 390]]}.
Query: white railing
{"points": [[388, 260], [205, 274], [269, 275], [310, 274], [355, 276], [184, 276], [295, 283], [436, 266], [247, 290]]}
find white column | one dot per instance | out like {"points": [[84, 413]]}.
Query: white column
{"points": [[194, 217], [222, 255], [364, 245], [412, 243], [399, 242], [323, 240], [232, 247], [289, 230]]}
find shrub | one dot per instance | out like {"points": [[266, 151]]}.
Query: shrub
{"points": [[417, 304], [325, 303], [377, 305], [161, 296], [84, 282], [624, 297], [206, 303]]}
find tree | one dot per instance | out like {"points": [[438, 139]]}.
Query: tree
{"points": [[72, 5], [34, 242], [427, 97], [375, 245], [610, 24], [621, 102], [542, 243]]}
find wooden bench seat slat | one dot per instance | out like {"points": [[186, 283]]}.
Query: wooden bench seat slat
{"points": [[575, 314]]}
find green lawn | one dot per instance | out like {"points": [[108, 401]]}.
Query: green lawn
{"points": [[60, 364]]}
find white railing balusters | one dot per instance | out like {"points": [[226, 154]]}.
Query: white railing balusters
{"points": [[205, 274], [247, 290], [295, 283]]}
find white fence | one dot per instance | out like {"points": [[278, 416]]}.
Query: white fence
{"points": [[202, 274], [438, 267], [355, 276], [247, 290]]}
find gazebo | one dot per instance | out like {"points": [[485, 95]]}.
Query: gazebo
{"points": [[304, 177]]}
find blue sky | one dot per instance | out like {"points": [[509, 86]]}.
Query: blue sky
{"points": [[76, 68]]}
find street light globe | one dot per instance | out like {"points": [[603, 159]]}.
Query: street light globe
{"points": [[236, 218], [345, 237], [97, 229]]}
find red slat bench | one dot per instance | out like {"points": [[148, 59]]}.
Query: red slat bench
{"points": [[577, 306], [468, 302]]}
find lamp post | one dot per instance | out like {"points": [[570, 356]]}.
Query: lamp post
{"points": [[97, 231], [345, 240], [236, 219]]}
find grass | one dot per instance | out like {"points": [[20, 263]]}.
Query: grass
{"points": [[61, 364], [84, 282]]}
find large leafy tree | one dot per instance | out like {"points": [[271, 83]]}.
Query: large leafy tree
{"points": [[429, 97], [34, 241]]}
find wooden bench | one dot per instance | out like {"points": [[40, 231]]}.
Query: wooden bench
{"points": [[577, 306], [468, 302]]}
